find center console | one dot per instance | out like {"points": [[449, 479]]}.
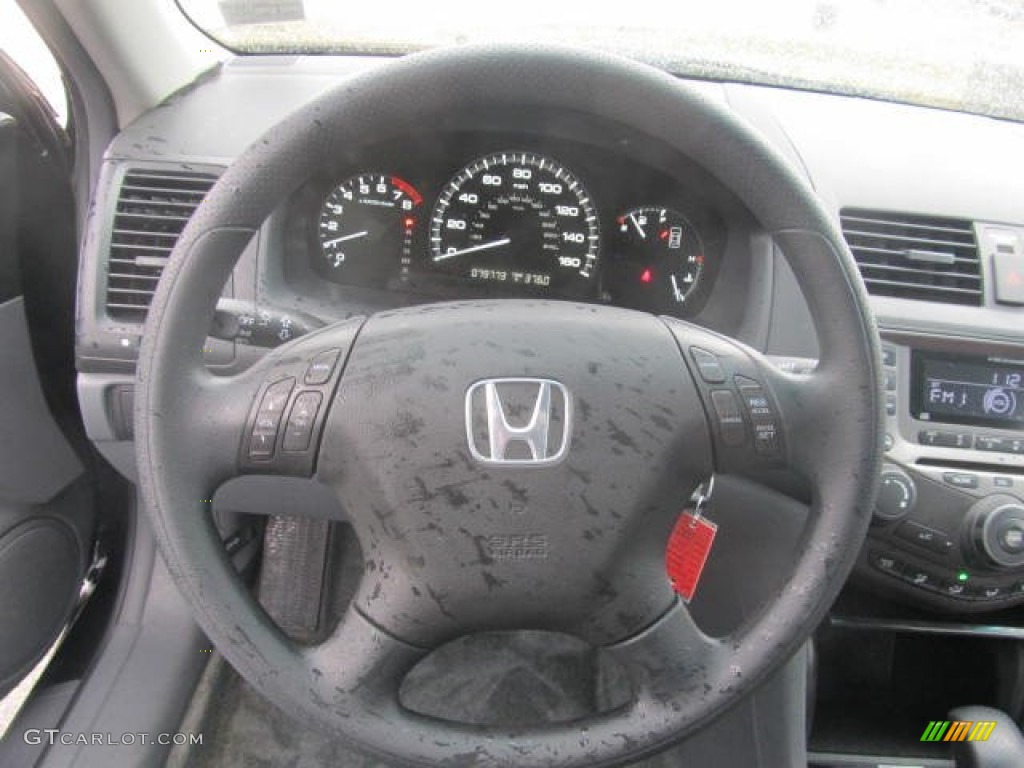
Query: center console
{"points": [[949, 523], [900, 647]]}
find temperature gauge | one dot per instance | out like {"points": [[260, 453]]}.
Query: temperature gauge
{"points": [[657, 260]]}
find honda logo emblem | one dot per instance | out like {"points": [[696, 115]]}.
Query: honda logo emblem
{"points": [[518, 422]]}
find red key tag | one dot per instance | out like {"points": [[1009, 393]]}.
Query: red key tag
{"points": [[688, 549], [689, 546]]}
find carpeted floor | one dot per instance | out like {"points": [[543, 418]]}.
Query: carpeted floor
{"points": [[510, 678]]}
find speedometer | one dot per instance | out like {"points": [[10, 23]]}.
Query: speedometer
{"points": [[517, 219]]}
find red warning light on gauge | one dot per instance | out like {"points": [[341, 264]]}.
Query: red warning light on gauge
{"points": [[664, 249], [365, 229]]}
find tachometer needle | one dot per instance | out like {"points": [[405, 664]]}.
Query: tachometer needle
{"points": [[342, 239], [474, 249], [632, 217]]}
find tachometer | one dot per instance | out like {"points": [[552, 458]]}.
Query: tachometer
{"points": [[517, 219], [365, 229]]}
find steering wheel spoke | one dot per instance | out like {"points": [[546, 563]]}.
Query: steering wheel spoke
{"points": [[280, 431], [268, 418], [763, 417], [671, 659], [359, 669]]}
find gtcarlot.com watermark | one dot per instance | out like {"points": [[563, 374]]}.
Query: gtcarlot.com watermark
{"points": [[52, 736]]}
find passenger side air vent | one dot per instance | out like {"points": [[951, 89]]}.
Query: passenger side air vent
{"points": [[915, 257], [153, 207]]}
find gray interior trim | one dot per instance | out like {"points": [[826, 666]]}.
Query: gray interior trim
{"points": [[119, 36], [92, 109], [791, 331], [838, 760], [10, 274], [35, 459], [929, 627], [244, 99], [148, 668], [43, 710], [93, 393]]}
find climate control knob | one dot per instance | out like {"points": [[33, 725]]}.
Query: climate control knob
{"points": [[897, 494], [995, 531]]}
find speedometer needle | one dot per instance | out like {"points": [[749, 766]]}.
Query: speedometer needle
{"points": [[353, 236], [474, 249]]}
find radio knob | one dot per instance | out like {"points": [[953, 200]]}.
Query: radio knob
{"points": [[897, 494], [995, 530]]}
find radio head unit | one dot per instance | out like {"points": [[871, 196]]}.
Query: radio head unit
{"points": [[978, 391]]}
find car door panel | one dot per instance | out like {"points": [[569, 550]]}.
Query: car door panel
{"points": [[46, 510]]}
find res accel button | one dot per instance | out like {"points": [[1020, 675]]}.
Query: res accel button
{"points": [[762, 416]]}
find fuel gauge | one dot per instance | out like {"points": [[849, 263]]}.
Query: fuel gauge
{"points": [[657, 259]]}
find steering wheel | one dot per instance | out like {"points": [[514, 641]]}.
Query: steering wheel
{"points": [[469, 520]]}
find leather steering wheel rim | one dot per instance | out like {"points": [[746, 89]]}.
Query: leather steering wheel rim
{"points": [[186, 418]]}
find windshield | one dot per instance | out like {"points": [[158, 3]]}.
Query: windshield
{"points": [[956, 54]]}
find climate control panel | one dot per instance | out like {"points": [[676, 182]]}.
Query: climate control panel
{"points": [[948, 528], [931, 541]]}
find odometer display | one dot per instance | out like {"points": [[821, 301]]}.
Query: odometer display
{"points": [[517, 219]]}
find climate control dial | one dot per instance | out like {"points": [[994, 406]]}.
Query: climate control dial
{"points": [[897, 494], [995, 531]]}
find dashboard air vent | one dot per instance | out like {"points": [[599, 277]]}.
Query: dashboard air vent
{"points": [[915, 257], [153, 207]]}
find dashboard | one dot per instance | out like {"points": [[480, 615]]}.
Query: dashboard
{"points": [[548, 205], [510, 214]]}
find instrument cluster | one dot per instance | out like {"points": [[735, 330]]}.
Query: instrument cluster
{"points": [[489, 216]]}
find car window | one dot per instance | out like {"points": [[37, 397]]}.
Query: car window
{"points": [[954, 54], [20, 41]]}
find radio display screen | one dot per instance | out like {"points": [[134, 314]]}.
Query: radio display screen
{"points": [[971, 390]]}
